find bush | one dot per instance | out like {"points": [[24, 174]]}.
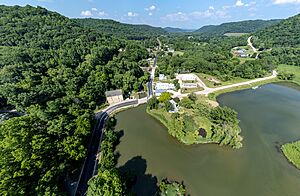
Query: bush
{"points": [[186, 102], [165, 96], [153, 103], [193, 97], [168, 106]]}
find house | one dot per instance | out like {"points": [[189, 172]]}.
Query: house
{"points": [[241, 53], [175, 108], [186, 77], [189, 85], [163, 87], [162, 77], [115, 96]]}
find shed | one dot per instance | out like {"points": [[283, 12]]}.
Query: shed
{"points": [[114, 96]]}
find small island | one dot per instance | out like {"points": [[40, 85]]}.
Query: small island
{"points": [[292, 152], [195, 120]]}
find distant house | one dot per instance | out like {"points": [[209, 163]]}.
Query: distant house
{"points": [[175, 108], [162, 77], [241, 53], [115, 96]]}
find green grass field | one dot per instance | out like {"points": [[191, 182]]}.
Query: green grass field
{"points": [[204, 78], [235, 34], [291, 69]]}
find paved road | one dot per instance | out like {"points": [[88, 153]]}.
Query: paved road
{"points": [[211, 90], [152, 75], [90, 163]]}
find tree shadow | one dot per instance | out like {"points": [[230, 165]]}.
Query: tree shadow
{"points": [[140, 182]]}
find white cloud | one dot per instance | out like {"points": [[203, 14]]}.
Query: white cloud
{"points": [[132, 14], [86, 13], [179, 16], [209, 13], [286, 1], [150, 14], [151, 8], [102, 13], [94, 9], [239, 3]]}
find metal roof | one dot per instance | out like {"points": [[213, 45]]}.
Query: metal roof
{"points": [[117, 92]]}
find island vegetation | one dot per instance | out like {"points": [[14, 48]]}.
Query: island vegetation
{"points": [[292, 152], [197, 121]]}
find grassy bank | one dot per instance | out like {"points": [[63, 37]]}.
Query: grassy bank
{"points": [[213, 96], [292, 152], [291, 69]]}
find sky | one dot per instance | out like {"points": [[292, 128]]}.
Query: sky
{"points": [[187, 14]]}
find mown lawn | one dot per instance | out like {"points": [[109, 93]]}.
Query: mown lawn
{"points": [[204, 78], [291, 69]]}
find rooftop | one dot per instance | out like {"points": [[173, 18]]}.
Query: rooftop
{"points": [[114, 93]]}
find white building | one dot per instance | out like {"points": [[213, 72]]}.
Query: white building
{"points": [[175, 108], [189, 85], [163, 87], [162, 77], [186, 77]]}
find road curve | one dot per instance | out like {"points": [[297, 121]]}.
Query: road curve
{"points": [[90, 163]]}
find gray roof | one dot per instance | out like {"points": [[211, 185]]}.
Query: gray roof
{"points": [[117, 92]]}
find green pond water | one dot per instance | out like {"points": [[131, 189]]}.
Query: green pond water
{"points": [[269, 116]]}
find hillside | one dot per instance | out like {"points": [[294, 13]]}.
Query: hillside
{"points": [[56, 72], [248, 26], [284, 34], [177, 30], [283, 38], [130, 31]]}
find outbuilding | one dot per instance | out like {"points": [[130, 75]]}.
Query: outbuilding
{"points": [[115, 96]]}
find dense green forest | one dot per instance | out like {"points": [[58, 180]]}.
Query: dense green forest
{"points": [[283, 40], [130, 31], [56, 72], [248, 26]]}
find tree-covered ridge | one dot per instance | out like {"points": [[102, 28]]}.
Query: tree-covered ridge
{"points": [[248, 26], [130, 31], [55, 72], [284, 34]]}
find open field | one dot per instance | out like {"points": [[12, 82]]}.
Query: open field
{"points": [[235, 34], [179, 53], [291, 69], [210, 84]]}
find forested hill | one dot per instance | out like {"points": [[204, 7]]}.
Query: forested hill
{"points": [[130, 31], [284, 34], [177, 30], [56, 72], [247, 26]]}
